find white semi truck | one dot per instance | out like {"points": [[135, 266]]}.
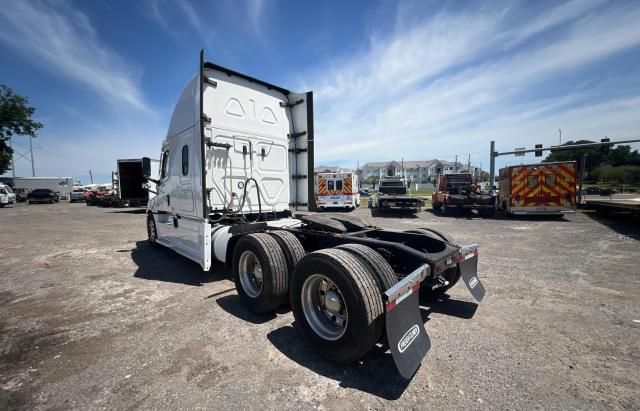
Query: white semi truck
{"points": [[236, 186]]}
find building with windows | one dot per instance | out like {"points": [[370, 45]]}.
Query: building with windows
{"points": [[418, 172]]}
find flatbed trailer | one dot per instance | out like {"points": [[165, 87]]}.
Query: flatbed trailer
{"points": [[392, 195], [614, 205], [236, 186]]}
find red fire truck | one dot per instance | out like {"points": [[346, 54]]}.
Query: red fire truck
{"points": [[547, 188]]}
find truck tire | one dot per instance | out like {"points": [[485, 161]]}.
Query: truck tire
{"points": [[337, 305], [383, 273], [152, 231], [291, 246], [433, 232], [260, 272]]}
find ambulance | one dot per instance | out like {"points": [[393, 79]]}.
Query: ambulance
{"points": [[337, 190], [542, 189]]}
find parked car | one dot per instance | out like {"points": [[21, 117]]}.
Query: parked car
{"points": [[364, 192], [42, 195], [603, 191], [7, 196], [77, 195]]}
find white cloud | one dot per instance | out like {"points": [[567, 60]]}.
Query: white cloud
{"points": [[59, 38], [255, 10], [446, 85]]}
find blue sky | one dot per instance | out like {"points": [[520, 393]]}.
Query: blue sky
{"points": [[413, 80]]}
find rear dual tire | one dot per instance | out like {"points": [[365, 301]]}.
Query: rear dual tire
{"points": [[260, 272], [337, 304]]}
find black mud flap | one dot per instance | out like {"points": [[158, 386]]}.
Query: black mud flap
{"points": [[469, 272], [408, 340]]}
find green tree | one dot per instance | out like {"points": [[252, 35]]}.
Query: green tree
{"points": [[594, 156], [372, 180], [623, 156], [15, 119]]}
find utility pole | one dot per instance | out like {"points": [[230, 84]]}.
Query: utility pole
{"points": [[455, 164], [91, 175], [469, 163], [33, 163], [560, 132], [13, 161], [583, 165], [492, 165]]}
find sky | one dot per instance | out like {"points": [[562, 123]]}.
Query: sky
{"points": [[391, 79]]}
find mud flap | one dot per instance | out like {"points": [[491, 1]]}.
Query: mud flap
{"points": [[469, 273], [408, 339]]}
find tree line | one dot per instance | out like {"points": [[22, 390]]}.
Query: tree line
{"points": [[619, 164]]}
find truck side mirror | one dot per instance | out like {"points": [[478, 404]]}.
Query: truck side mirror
{"points": [[146, 167]]}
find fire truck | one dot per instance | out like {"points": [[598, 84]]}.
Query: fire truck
{"points": [[337, 190], [544, 189]]}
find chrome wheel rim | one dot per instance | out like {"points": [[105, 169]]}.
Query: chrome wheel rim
{"points": [[324, 307], [152, 229], [251, 277]]}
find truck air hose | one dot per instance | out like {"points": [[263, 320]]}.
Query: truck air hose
{"points": [[244, 197]]}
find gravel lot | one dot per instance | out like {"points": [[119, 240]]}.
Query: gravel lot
{"points": [[92, 317]]}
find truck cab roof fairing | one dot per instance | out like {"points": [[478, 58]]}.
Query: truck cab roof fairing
{"points": [[185, 113]]}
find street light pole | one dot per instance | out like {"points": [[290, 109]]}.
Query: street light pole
{"points": [[13, 161], [492, 166], [33, 165]]}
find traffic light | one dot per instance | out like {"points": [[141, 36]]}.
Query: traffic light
{"points": [[538, 152], [604, 148]]}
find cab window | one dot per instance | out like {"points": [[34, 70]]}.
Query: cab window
{"points": [[339, 185], [185, 160], [165, 163], [331, 185]]}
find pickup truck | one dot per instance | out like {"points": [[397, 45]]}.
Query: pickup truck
{"points": [[392, 195], [457, 192]]}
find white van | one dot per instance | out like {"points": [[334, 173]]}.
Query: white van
{"points": [[7, 196]]}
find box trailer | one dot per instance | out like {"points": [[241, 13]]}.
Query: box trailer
{"points": [[61, 185], [538, 189], [236, 186], [337, 190], [128, 183]]}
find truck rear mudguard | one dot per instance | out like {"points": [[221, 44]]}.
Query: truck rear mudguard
{"points": [[407, 337]]}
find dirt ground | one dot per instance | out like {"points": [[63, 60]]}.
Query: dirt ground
{"points": [[92, 317]]}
